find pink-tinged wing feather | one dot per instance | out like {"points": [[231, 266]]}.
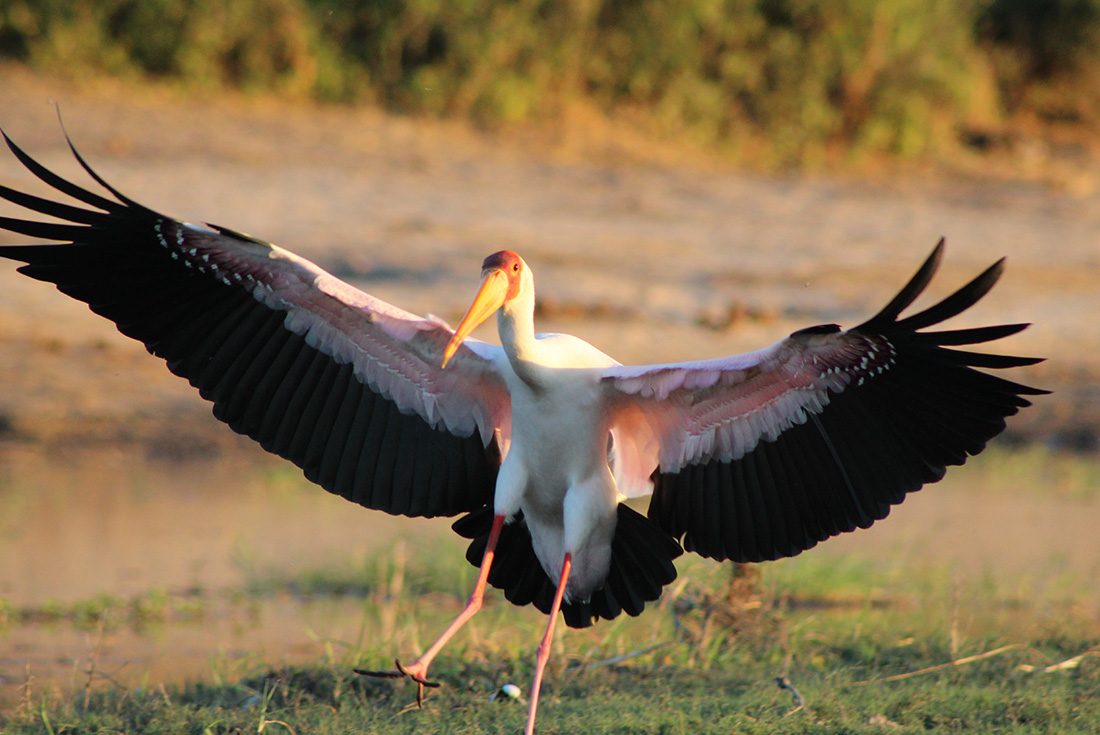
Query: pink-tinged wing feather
{"points": [[680, 414], [347, 387], [396, 353], [722, 408], [763, 455]]}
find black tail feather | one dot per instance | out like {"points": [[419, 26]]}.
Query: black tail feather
{"points": [[641, 565]]}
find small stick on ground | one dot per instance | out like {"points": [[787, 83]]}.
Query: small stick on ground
{"points": [[937, 667], [28, 678], [1069, 663], [784, 683], [624, 657], [93, 660]]}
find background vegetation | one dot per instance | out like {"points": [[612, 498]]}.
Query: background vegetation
{"points": [[774, 82]]}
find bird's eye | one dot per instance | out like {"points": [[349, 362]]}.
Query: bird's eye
{"points": [[515, 267]]}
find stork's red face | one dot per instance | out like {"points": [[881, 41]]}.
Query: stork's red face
{"points": [[510, 265], [500, 283]]}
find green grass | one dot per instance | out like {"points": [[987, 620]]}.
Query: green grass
{"points": [[1033, 469], [400, 574], [992, 698], [136, 612], [705, 667], [735, 694]]}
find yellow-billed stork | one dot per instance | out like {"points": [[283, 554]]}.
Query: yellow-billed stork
{"points": [[749, 457]]}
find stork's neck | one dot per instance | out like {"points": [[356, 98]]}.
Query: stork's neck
{"points": [[516, 326]]}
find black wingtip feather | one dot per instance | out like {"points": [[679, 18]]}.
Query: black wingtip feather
{"points": [[59, 183], [49, 207], [911, 290], [98, 179], [985, 360], [970, 336], [957, 302]]}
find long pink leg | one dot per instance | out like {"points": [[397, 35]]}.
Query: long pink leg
{"points": [[418, 670], [544, 647]]}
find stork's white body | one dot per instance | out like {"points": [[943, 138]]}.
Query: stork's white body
{"points": [[556, 468]]}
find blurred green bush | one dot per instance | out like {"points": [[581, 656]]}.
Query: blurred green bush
{"points": [[780, 82]]}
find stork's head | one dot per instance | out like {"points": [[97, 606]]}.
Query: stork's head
{"points": [[504, 276]]}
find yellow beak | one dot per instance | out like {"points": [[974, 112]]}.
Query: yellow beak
{"points": [[490, 297]]}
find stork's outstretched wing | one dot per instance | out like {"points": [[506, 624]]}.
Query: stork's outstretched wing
{"points": [[344, 385], [761, 456]]}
